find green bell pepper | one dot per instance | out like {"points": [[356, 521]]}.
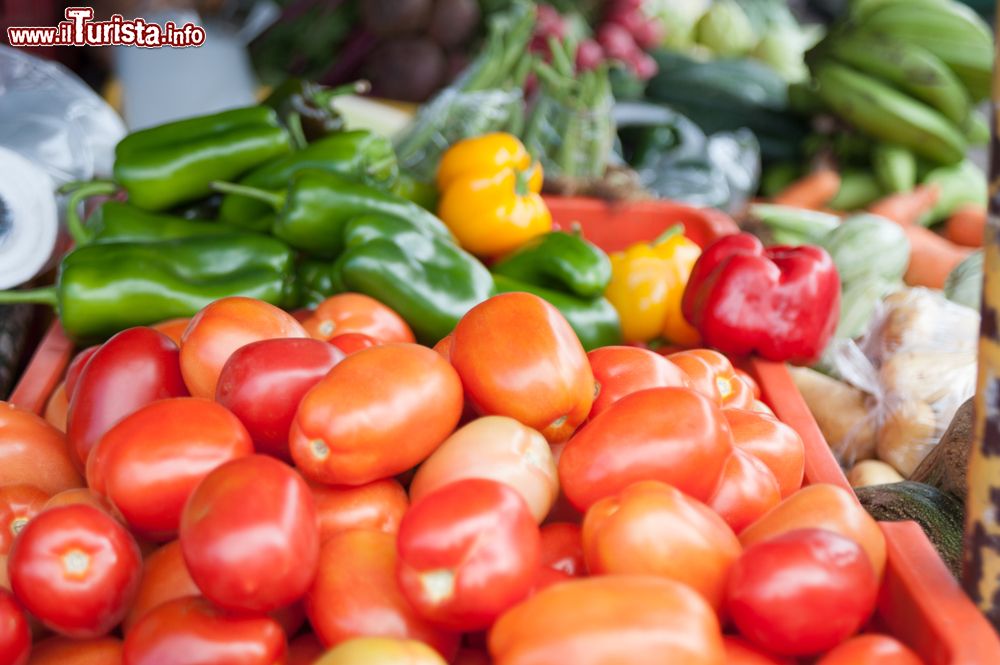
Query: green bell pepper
{"points": [[164, 166], [594, 320], [559, 261], [104, 288], [426, 279], [359, 155], [313, 212]]}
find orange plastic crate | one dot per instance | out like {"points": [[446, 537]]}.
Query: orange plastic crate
{"points": [[920, 602]]}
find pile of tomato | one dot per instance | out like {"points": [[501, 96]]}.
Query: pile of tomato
{"points": [[255, 487]]}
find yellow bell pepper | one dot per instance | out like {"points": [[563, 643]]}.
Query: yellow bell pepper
{"points": [[490, 194], [647, 286]]}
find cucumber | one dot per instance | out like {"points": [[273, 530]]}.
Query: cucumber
{"points": [[939, 514]]}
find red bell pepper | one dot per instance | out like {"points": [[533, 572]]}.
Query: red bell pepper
{"points": [[780, 302]]}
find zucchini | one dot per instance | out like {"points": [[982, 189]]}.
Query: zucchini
{"points": [[723, 95], [965, 281], [939, 514]]}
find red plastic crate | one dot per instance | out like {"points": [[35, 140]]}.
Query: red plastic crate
{"points": [[920, 602]]}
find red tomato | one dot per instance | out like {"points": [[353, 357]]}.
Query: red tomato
{"points": [[714, 376], [518, 357], [467, 552], [222, 327], [673, 435], [173, 328], [263, 383], [135, 367], [75, 368], [357, 313], [747, 490], [609, 619], [18, 504], [15, 636], [65, 651], [350, 343], [33, 452], [76, 496], [802, 592], [497, 448], [164, 578], [356, 425], [623, 370], [205, 635], [822, 506], [562, 548], [741, 652], [150, 462], [772, 442], [870, 650], [381, 651], [654, 529], [57, 407], [250, 536], [546, 577], [76, 569], [379, 505], [356, 594]]}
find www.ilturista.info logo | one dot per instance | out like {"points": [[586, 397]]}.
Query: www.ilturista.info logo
{"points": [[79, 29]]}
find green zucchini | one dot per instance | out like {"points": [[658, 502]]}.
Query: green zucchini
{"points": [[728, 94], [939, 514], [965, 281]]}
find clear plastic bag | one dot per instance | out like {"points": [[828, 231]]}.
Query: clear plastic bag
{"points": [[571, 141], [53, 129], [917, 363], [452, 116], [52, 118]]}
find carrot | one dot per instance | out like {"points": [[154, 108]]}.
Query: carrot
{"points": [[906, 208], [967, 225], [931, 257], [813, 190]]}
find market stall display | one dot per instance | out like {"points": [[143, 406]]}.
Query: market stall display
{"points": [[647, 335]]}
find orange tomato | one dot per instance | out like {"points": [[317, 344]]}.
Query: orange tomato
{"points": [[771, 441], [497, 448], [33, 452], [747, 489], [356, 425], [714, 376], [651, 528], [57, 408], [822, 506], [673, 435], [221, 328], [741, 652], [164, 578], [18, 504], [355, 594], [173, 328], [518, 357], [379, 505], [66, 651], [623, 370], [443, 347], [638, 620], [870, 650], [357, 313], [79, 495], [149, 463], [751, 383]]}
